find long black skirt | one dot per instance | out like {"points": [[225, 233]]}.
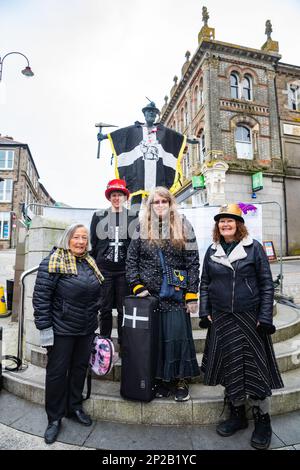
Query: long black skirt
{"points": [[236, 357], [176, 354]]}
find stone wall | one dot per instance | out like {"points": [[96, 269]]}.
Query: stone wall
{"points": [[42, 236]]}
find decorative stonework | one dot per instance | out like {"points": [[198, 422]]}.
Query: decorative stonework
{"points": [[214, 173], [244, 106]]}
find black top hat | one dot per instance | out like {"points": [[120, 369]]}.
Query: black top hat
{"points": [[151, 106]]}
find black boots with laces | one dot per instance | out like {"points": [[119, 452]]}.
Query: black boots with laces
{"points": [[262, 434], [235, 422]]}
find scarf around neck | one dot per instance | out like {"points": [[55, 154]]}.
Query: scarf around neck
{"points": [[64, 262]]}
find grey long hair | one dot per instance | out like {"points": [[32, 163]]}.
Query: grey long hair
{"points": [[68, 234]]}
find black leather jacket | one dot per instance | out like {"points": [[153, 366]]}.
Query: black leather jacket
{"points": [[102, 231], [248, 285]]}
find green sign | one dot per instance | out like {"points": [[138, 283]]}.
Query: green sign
{"points": [[198, 182], [257, 181]]}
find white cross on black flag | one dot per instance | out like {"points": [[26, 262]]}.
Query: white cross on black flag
{"points": [[136, 319]]}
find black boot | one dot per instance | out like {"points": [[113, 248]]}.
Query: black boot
{"points": [[52, 431], [235, 422], [262, 434]]}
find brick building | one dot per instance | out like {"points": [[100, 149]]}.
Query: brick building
{"points": [[20, 184], [244, 107]]}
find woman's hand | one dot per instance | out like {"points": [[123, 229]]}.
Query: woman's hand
{"points": [[205, 322], [192, 307], [144, 293]]}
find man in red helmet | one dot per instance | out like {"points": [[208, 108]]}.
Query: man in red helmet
{"points": [[111, 231]]}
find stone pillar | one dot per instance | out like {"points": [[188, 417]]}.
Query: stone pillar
{"points": [[42, 236], [214, 173], [213, 137], [274, 127]]}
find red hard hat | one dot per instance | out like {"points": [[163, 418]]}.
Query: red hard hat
{"points": [[116, 185]]}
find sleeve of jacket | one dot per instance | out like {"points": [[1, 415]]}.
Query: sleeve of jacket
{"points": [[191, 255], [133, 263], [265, 285], [93, 234], [205, 304], [42, 296]]}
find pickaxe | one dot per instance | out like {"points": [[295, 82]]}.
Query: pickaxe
{"points": [[101, 125]]}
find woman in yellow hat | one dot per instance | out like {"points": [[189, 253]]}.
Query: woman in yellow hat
{"points": [[236, 305]]}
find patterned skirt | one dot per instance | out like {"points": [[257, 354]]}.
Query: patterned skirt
{"points": [[176, 355], [236, 357]]}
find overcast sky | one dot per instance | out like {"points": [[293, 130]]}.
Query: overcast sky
{"points": [[96, 60]]}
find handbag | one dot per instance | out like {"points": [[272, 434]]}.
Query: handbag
{"points": [[102, 359], [174, 281]]}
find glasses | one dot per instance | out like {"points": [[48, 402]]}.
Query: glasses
{"points": [[160, 202]]}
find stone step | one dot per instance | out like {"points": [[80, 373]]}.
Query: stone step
{"points": [[287, 347], [204, 407]]}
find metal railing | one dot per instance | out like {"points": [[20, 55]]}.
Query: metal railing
{"points": [[21, 318]]}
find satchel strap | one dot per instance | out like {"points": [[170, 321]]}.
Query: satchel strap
{"points": [[162, 261]]}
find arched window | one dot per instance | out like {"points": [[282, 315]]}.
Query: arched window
{"points": [[196, 100], [243, 142], [182, 119], [202, 147], [201, 96], [247, 88], [234, 85], [186, 116], [294, 97]]}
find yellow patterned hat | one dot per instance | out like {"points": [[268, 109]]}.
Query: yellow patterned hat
{"points": [[232, 211]]}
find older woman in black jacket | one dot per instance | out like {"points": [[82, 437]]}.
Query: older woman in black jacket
{"points": [[66, 304], [236, 304]]}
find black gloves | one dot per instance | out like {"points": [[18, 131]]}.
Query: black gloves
{"points": [[264, 329], [204, 322]]}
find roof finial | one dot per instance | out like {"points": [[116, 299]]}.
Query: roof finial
{"points": [[269, 29], [206, 33], [205, 16], [270, 45]]}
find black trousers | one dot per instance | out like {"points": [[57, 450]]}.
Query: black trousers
{"points": [[113, 291], [65, 374]]}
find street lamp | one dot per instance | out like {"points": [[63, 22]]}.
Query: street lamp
{"points": [[27, 71]]}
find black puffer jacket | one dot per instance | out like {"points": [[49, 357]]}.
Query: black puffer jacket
{"points": [[248, 286], [143, 264], [68, 303]]}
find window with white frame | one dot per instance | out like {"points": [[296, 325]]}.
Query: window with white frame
{"points": [[186, 116], [247, 88], [243, 142], [182, 119], [7, 159], [4, 225], [6, 190], [201, 96], [202, 147], [234, 85], [196, 100], [294, 97]]}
